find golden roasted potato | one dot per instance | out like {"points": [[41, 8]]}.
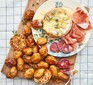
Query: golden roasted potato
{"points": [[36, 58], [62, 76], [51, 60], [29, 14], [17, 54], [27, 30], [42, 64], [12, 73], [45, 78], [30, 41], [18, 42], [27, 59], [35, 49], [39, 73], [28, 51], [20, 64], [42, 41], [54, 70], [43, 51], [10, 62], [29, 73]]}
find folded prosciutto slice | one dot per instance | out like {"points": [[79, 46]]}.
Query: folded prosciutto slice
{"points": [[81, 18], [77, 33]]}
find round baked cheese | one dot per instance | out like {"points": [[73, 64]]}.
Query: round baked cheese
{"points": [[58, 22]]}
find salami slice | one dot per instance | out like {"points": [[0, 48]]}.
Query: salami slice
{"points": [[54, 47]]}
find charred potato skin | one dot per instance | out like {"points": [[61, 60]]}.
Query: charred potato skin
{"points": [[29, 73], [10, 62], [43, 51], [28, 51], [29, 14], [37, 24], [27, 59], [42, 41], [42, 64], [63, 76], [17, 54], [30, 41], [36, 58], [39, 73], [54, 70], [51, 60], [12, 73], [20, 64]]}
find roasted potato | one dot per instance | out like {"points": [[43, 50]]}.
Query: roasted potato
{"points": [[36, 58], [35, 49], [10, 62], [43, 51], [20, 64], [30, 41], [12, 73], [28, 51], [42, 64], [54, 70], [39, 73], [27, 30], [42, 41], [18, 42], [17, 54], [51, 60], [29, 73], [45, 78], [62, 76], [37, 24], [27, 59], [29, 14]]}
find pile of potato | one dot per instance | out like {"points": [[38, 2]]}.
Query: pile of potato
{"points": [[32, 57]]}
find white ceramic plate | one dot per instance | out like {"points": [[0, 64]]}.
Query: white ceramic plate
{"points": [[47, 6]]}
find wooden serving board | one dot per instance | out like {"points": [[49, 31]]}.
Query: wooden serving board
{"points": [[5, 68]]}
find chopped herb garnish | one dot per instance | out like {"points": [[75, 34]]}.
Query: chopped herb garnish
{"points": [[56, 26], [14, 32]]}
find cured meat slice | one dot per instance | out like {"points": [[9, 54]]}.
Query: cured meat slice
{"points": [[81, 18], [77, 33], [54, 47], [68, 39], [67, 48], [60, 45]]}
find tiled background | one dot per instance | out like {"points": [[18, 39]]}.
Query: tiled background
{"points": [[10, 15]]}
